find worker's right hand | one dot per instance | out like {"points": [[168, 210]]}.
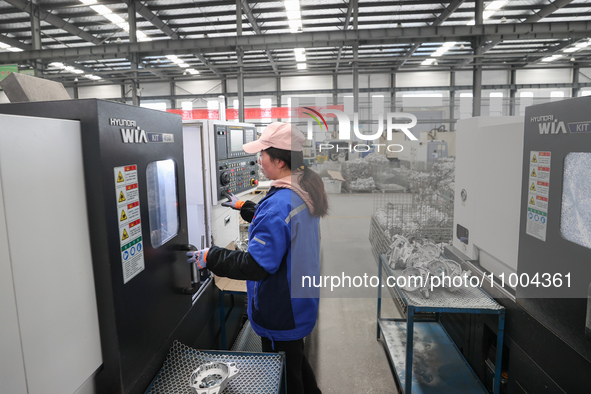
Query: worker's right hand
{"points": [[233, 202]]}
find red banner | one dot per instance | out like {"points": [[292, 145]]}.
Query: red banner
{"points": [[255, 113]]}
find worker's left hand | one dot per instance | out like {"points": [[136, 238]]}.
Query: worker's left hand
{"points": [[233, 201], [199, 257]]}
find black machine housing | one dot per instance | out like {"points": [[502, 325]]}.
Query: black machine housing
{"points": [[547, 341], [141, 315]]}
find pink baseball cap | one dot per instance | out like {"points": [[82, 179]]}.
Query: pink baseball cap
{"points": [[278, 135]]}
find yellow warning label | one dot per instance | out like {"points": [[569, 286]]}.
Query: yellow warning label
{"points": [[125, 235], [120, 178], [123, 216], [531, 201], [533, 173], [534, 159], [121, 197], [533, 187]]}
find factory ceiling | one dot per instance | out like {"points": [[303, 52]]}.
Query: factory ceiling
{"points": [[109, 41]]}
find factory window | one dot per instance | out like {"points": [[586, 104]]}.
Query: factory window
{"points": [[585, 93], [496, 104], [575, 216], [525, 100], [556, 95], [213, 104], [156, 106], [422, 99], [377, 105], [187, 105], [163, 204], [465, 105], [266, 114]]}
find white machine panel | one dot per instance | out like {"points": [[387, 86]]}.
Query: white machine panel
{"points": [[206, 215], [195, 179], [488, 174], [50, 330]]}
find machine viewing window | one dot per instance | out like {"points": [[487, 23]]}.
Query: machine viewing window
{"points": [[162, 201], [236, 140], [575, 216]]}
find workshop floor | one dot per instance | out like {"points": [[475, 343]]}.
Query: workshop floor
{"points": [[343, 349]]}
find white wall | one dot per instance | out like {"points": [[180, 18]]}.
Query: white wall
{"points": [[199, 87], [304, 83], [260, 85], [543, 76], [100, 91], [303, 87], [463, 78], [155, 89], [345, 81], [422, 79]]}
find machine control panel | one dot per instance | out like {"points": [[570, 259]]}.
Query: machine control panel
{"points": [[236, 175], [237, 170]]}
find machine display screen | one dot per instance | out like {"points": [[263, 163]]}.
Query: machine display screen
{"points": [[162, 201], [236, 140], [575, 217]]}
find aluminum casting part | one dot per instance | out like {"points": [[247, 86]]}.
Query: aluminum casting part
{"points": [[212, 378], [413, 282]]}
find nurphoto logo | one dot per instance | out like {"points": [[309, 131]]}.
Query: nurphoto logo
{"points": [[401, 121]]}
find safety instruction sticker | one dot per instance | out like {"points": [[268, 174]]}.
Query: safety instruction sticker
{"points": [[538, 194], [129, 219]]}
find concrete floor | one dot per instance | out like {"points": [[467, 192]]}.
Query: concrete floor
{"points": [[343, 349]]}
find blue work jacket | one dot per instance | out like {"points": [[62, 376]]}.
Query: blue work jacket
{"points": [[284, 240]]}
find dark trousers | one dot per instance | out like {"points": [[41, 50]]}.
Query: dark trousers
{"points": [[300, 377]]}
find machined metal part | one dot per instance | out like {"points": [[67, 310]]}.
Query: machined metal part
{"points": [[212, 377]]}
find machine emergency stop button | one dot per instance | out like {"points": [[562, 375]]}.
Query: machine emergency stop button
{"points": [[254, 182]]}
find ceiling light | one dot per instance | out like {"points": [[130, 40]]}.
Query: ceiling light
{"points": [[101, 9], [115, 18], [292, 5], [551, 58], [193, 71], [490, 10], [300, 54], [9, 48], [427, 62], [572, 59], [88, 1], [295, 25], [141, 36], [302, 66]]}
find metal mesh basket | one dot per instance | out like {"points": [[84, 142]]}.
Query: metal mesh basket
{"points": [[417, 220], [260, 373], [378, 238]]}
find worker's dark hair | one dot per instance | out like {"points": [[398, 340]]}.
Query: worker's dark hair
{"points": [[310, 182]]}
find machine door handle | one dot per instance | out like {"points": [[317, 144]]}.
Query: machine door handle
{"points": [[195, 275]]}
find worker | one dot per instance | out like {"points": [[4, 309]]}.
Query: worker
{"points": [[283, 248]]}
